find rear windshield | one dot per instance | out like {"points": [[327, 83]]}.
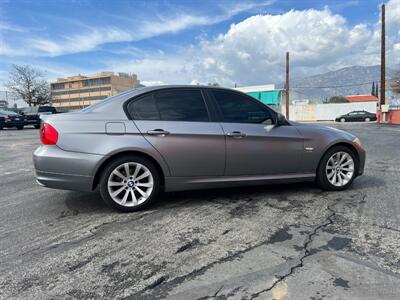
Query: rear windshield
{"points": [[32, 109]]}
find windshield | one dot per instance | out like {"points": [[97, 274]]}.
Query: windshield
{"points": [[8, 113]]}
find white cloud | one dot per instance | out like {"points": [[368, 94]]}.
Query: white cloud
{"points": [[250, 52], [91, 37]]}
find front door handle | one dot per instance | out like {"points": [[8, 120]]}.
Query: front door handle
{"points": [[159, 132], [236, 134]]}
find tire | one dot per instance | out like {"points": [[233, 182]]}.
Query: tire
{"points": [[327, 166], [1, 127], [367, 119], [20, 127], [129, 186], [37, 126], [342, 120]]}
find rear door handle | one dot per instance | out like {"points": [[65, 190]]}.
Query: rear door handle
{"points": [[236, 134], [159, 132]]}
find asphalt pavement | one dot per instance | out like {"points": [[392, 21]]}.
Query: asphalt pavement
{"points": [[270, 242]]}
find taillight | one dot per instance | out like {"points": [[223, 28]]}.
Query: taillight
{"points": [[7, 119], [48, 134]]}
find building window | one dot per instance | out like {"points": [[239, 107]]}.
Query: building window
{"points": [[97, 81], [57, 86]]}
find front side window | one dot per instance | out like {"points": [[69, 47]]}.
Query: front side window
{"points": [[236, 108]]}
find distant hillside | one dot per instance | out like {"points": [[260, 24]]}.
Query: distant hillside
{"points": [[319, 87]]}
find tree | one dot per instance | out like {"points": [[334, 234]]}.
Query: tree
{"points": [[377, 90], [29, 84], [373, 89], [338, 99]]}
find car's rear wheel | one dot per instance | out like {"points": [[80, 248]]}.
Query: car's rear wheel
{"points": [[367, 119], [130, 183], [342, 120], [337, 169], [20, 127]]}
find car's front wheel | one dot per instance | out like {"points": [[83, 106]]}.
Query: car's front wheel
{"points": [[130, 183], [20, 127], [337, 169], [342, 120]]}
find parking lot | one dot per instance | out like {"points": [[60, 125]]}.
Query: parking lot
{"points": [[271, 242]]}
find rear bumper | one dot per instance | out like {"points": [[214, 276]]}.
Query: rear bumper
{"points": [[59, 169]]}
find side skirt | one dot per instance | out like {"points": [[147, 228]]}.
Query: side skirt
{"points": [[196, 183]]}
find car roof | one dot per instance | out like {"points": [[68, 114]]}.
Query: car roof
{"points": [[122, 97]]}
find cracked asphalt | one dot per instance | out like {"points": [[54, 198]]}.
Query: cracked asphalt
{"points": [[271, 242]]}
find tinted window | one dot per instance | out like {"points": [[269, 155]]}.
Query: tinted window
{"points": [[47, 109], [181, 106], [170, 106], [238, 109], [144, 109]]}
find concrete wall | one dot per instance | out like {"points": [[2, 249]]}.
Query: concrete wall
{"points": [[327, 112]]}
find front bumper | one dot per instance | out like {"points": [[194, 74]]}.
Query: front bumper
{"points": [[60, 169], [361, 157]]}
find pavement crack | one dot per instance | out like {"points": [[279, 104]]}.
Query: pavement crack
{"points": [[214, 296], [307, 252]]}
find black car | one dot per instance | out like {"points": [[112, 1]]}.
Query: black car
{"points": [[357, 116], [9, 119], [32, 114]]}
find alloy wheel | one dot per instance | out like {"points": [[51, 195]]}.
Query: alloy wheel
{"points": [[340, 168], [130, 184]]}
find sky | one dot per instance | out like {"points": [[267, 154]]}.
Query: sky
{"points": [[195, 41]]}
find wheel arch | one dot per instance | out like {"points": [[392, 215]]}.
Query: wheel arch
{"points": [[344, 144], [112, 157]]}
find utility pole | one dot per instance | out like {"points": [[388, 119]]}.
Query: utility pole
{"points": [[383, 64], [287, 85]]}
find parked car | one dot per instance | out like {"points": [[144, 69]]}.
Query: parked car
{"points": [[147, 140], [10, 119], [357, 116], [32, 114]]}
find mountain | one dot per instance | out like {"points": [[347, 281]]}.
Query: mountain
{"points": [[355, 80]]}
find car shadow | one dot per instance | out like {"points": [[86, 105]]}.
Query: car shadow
{"points": [[92, 202]]}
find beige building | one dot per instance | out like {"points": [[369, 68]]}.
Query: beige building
{"points": [[77, 92]]}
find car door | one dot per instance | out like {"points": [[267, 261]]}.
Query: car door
{"points": [[253, 145], [177, 123]]}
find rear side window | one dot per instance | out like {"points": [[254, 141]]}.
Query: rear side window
{"points": [[144, 109], [181, 106], [236, 108], [170, 106]]}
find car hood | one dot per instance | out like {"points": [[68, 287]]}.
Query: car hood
{"points": [[323, 129]]}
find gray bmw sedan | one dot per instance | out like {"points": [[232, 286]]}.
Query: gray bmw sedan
{"points": [[168, 138]]}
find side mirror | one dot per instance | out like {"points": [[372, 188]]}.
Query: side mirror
{"points": [[280, 120]]}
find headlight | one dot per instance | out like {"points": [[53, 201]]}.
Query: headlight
{"points": [[357, 142]]}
